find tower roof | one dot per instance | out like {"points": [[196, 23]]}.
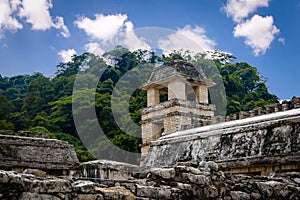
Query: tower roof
{"points": [[178, 69]]}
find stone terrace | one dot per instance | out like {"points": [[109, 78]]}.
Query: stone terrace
{"points": [[260, 144], [18, 153]]}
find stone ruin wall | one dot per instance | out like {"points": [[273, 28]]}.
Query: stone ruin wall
{"points": [[261, 144], [22, 152], [285, 105], [182, 181]]}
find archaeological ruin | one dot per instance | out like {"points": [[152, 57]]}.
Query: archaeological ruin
{"points": [[178, 81], [185, 153]]}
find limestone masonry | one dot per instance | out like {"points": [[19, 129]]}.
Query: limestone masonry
{"points": [[18, 153], [186, 87], [260, 145], [182, 181]]}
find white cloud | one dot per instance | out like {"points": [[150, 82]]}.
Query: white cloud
{"points": [[94, 47], [187, 38], [130, 39], [259, 32], [281, 40], [7, 22], [108, 31], [15, 4], [66, 55], [239, 9], [34, 12], [59, 24], [38, 15], [102, 27]]}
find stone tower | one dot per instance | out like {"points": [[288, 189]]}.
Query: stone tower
{"points": [[185, 90]]}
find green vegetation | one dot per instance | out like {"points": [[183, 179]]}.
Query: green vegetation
{"points": [[44, 105]]}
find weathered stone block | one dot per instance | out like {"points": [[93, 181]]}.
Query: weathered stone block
{"points": [[89, 197], [162, 192], [47, 185], [211, 192], [117, 192], [35, 172], [36, 196], [105, 169], [239, 195], [163, 173], [196, 179], [84, 187], [36, 153], [3, 177]]}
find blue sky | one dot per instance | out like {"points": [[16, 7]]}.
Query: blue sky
{"points": [[36, 35]]}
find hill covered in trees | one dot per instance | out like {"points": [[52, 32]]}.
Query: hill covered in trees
{"points": [[42, 104]]}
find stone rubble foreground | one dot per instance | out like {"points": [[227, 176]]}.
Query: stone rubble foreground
{"points": [[189, 180]]}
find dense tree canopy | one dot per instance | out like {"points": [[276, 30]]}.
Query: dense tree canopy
{"points": [[39, 103]]}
